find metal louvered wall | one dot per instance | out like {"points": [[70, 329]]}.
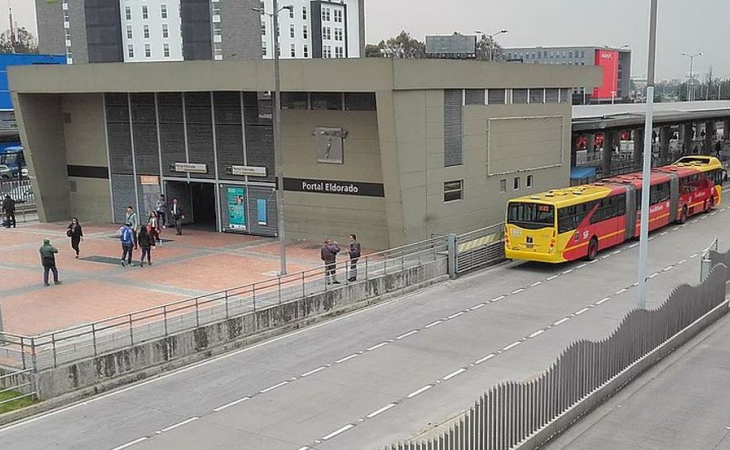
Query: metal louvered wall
{"points": [[510, 413], [453, 127]]}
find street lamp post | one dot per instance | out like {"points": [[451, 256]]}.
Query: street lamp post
{"points": [[278, 156], [646, 173], [491, 41], [691, 85]]}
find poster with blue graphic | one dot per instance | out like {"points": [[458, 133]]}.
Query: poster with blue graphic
{"points": [[236, 208]]}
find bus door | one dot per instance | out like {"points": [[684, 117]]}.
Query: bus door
{"points": [[631, 206], [674, 197]]}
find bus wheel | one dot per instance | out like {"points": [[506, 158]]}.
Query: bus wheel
{"points": [[683, 216], [592, 249]]}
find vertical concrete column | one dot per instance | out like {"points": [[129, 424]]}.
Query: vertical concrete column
{"points": [[688, 137], [726, 129], [608, 143], [665, 135], [638, 135], [709, 137]]}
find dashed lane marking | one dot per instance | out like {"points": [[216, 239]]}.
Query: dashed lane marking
{"points": [[536, 334], [433, 324], [517, 291], [381, 410], [578, 313], [454, 373], [511, 346], [552, 278], [338, 432], [603, 300], [561, 321], [347, 358], [419, 391], [454, 316], [621, 291], [403, 336], [537, 283], [129, 444], [312, 372], [179, 424], [486, 358], [501, 297], [276, 386], [475, 307], [233, 403], [383, 344]]}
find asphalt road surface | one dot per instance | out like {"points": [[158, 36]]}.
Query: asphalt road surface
{"points": [[367, 379]]}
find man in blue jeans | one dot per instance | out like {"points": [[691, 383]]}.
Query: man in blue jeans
{"points": [[48, 261], [126, 236]]}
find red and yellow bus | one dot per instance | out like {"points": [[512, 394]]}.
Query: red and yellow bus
{"points": [[578, 222]]}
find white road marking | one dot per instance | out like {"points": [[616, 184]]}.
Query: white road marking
{"points": [[605, 257], [179, 424], [633, 245], [682, 262], [551, 278], [654, 275], [561, 321], [454, 316], [635, 284], [712, 214], [303, 448], [723, 209], [536, 334], [675, 228], [616, 252], [537, 283], [375, 347], [475, 307], [454, 373], [667, 269], [276, 386], [565, 272], [339, 431], [312, 372], [517, 291], [497, 299], [129, 444], [403, 336], [581, 266], [420, 391], [663, 234], [693, 256], [621, 291], [486, 358], [578, 313], [652, 238], [603, 300], [346, 358], [234, 403], [511, 346], [433, 324], [381, 410]]}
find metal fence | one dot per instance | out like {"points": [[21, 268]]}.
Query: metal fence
{"points": [[480, 248], [511, 412], [83, 341], [16, 385], [19, 190]]}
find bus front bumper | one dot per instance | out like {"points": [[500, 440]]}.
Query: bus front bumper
{"points": [[523, 255]]}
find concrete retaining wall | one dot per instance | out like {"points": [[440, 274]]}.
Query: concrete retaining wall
{"points": [[109, 370]]}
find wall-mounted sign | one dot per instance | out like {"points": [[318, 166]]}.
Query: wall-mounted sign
{"points": [[149, 180], [334, 187], [251, 171], [189, 168], [329, 144], [236, 200]]}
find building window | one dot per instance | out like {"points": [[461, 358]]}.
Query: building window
{"points": [[293, 52], [128, 12], [130, 50], [326, 14], [338, 15], [453, 191], [166, 50], [338, 34], [292, 31], [327, 33], [496, 96], [145, 12], [503, 185], [263, 49], [537, 95], [529, 181], [129, 31], [339, 52], [165, 31], [304, 12], [147, 51], [306, 51], [263, 28], [163, 11], [146, 30], [326, 51], [519, 96], [305, 32], [516, 183]]}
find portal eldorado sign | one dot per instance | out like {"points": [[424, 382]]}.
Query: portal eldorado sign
{"points": [[334, 187]]}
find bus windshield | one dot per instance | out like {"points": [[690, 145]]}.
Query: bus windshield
{"points": [[531, 215]]}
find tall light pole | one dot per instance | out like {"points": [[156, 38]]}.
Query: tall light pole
{"points": [[646, 173], [491, 41], [691, 86], [278, 156], [614, 89]]}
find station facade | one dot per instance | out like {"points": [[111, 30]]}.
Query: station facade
{"points": [[395, 151]]}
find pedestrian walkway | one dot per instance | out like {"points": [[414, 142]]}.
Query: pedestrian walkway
{"points": [[95, 287]]}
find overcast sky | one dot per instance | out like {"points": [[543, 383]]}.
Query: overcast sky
{"points": [[548, 22]]}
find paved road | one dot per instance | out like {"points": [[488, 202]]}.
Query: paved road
{"points": [[680, 404], [366, 379]]}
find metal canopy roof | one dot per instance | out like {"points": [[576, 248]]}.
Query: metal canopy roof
{"points": [[603, 117]]}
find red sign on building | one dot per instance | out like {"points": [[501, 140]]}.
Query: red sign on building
{"points": [[608, 61]]}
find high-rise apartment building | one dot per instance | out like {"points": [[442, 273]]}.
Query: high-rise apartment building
{"points": [[96, 31]]}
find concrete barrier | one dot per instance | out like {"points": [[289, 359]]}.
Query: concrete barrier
{"points": [[106, 371]]}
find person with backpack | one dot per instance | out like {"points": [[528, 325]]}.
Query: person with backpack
{"points": [[48, 261], [126, 236], [145, 241], [76, 234], [9, 208]]}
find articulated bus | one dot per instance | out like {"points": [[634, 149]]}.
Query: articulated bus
{"points": [[578, 222]]}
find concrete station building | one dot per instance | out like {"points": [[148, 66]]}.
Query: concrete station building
{"points": [[393, 150]]}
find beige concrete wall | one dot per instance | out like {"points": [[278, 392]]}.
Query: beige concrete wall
{"points": [[40, 121], [85, 138], [313, 216]]}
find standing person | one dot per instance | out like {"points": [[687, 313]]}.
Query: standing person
{"points": [[718, 148], [9, 208], [146, 241], [329, 256], [177, 215], [355, 250], [153, 227], [48, 261], [76, 234], [161, 210], [126, 237], [133, 220]]}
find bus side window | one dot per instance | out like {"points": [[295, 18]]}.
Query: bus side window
{"points": [[621, 199]]}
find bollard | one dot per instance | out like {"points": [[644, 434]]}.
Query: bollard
{"points": [[705, 266], [452, 256]]}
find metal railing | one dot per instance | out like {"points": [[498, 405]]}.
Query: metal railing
{"points": [[16, 386], [83, 341], [19, 189], [480, 248], [511, 412]]}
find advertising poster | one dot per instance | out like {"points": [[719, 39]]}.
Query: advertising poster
{"points": [[236, 208], [607, 60]]}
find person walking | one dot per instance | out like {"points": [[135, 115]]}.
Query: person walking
{"points": [[718, 149], [146, 241], [177, 215], [329, 256], [76, 234], [153, 228], [48, 261], [133, 220], [9, 208], [161, 210], [354, 252], [126, 237]]}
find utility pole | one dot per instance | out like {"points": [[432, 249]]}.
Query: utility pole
{"points": [[278, 157], [646, 173]]}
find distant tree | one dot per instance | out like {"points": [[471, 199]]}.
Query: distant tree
{"points": [[483, 48], [373, 51], [402, 46], [25, 42]]}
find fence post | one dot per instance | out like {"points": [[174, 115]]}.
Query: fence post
{"points": [[197, 313], [226, 294], [279, 285], [93, 336], [705, 266], [55, 354], [131, 332], [452, 256], [164, 316], [304, 289], [366, 268], [34, 362]]}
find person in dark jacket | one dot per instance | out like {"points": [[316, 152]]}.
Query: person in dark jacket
{"points": [[355, 250], [177, 215], [145, 240], [76, 234], [126, 236], [329, 256], [48, 261], [9, 208]]}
